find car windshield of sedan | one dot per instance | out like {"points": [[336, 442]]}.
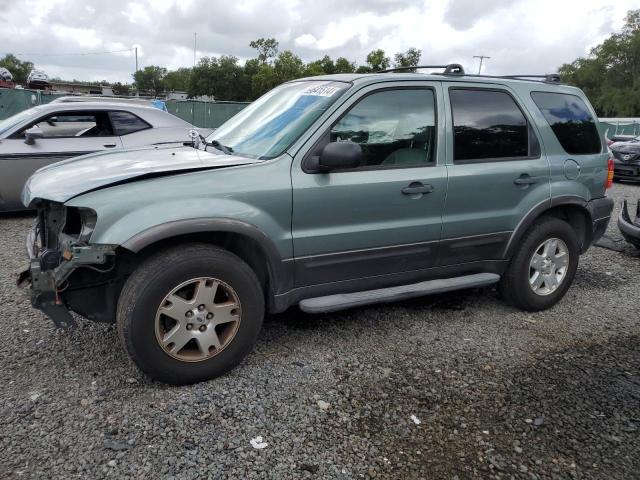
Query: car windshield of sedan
{"points": [[14, 120], [267, 127]]}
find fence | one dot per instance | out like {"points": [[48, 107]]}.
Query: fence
{"points": [[200, 114], [14, 100], [204, 114], [620, 126]]}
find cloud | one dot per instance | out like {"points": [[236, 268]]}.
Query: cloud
{"points": [[519, 35]]}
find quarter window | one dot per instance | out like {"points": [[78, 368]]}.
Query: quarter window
{"points": [[571, 122], [394, 128], [125, 123], [487, 124]]}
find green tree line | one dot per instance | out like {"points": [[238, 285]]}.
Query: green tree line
{"points": [[225, 78], [610, 74]]}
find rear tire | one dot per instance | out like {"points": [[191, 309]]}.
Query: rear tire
{"points": [[543, 266], [190, 313]]}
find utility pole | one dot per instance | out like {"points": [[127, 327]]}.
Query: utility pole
{"points": [[481, 57], [195, 43], [136, 59]]}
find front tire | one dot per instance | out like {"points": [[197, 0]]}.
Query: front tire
{"points": [[543, 267], [190, 313]]}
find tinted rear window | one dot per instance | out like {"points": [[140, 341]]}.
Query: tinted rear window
{"points": [[125, 123], [571, 122], [487, 124]]}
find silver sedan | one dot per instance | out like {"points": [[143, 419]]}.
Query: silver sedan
{"points": [[50, 133]]}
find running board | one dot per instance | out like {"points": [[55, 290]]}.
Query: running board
{"points": [[341, 301]]}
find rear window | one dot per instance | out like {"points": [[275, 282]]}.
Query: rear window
{"points": [[571, 122], [125, 123], [487, 124]]}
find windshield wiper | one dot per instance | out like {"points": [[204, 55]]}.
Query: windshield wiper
{"points": [[223, 148]]}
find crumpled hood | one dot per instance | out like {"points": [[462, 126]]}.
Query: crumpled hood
{"points": [[67, 179]]}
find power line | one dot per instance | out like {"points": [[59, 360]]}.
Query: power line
{"points": [[72, 54]]}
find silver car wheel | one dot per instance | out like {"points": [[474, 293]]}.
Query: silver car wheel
{"points": [[548, 266], [198, 319]]}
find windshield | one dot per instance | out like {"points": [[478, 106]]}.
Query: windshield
{"points": [[13, 120], [268, 126]]}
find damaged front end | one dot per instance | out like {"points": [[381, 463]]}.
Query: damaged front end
{"points": [[630, 229], [57, 247]]}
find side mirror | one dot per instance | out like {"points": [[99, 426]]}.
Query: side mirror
{"points": [[31, 135], [339, 156]]}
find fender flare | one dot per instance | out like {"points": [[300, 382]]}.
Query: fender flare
{"points": [[540, 209], [275, 262]]}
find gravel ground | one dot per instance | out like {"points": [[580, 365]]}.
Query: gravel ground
{"points": [[450, 386]]}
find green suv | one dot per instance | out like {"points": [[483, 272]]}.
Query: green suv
{"points": [[327, 192]]}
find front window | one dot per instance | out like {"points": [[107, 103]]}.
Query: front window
{"points": [[267, 127]]}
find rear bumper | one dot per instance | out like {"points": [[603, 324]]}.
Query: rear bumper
{"points": [[626, 171], [630, 229], [600, 209]]}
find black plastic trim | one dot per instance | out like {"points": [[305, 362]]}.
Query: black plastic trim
{"points": [[292, 297], [338, 266], [280, 271]]}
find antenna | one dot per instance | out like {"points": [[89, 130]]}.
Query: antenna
{"points": [[481, 57]]}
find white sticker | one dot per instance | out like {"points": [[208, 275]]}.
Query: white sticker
{"points": [[321, 91]]}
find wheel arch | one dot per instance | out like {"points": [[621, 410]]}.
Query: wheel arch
{"points": [[246, 241], [572, 209]]}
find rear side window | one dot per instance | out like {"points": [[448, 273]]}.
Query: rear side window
{"points": [[125, 123], [487, 124], [570, 121]]}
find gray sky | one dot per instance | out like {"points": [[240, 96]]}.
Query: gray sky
{"points": [[520, 36]]}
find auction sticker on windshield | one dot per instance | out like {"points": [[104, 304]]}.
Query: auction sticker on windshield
{"points": [[321, 91]]}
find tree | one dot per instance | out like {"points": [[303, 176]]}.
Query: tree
{"points": [[377, 60], [610, 74], [221, 78], [343, 65], [288, 66], [19, 70], [410, 58], [121, 88], [150, 79], [267, 48], [177, 80], [263, 80]]}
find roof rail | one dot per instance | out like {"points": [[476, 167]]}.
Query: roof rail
{"points": [[549, 77], [450, 69]]}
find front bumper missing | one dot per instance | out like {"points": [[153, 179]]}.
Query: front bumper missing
{"points": [[630, 229], [45, 285]]}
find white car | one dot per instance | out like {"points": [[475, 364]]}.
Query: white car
{"points": [[50, 133]]}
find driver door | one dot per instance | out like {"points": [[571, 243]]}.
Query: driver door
{"points": [[66, 134], [383, 217]]}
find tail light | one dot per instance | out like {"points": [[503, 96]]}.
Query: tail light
{"points": [[609, 182]]}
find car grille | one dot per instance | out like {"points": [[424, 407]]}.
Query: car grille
{"points": [[626, 157]]}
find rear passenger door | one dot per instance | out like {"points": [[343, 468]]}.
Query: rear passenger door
{"points": [[497, 172]]}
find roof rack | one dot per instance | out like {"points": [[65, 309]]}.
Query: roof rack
{"points": [[450, 69], [457, 69], [549, 77]]}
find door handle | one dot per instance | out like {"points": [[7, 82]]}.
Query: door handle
{"points": [[109, 145], [526, 179], [417, 187]]}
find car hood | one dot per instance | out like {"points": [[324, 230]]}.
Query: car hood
{"points": [[64, 180]]}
